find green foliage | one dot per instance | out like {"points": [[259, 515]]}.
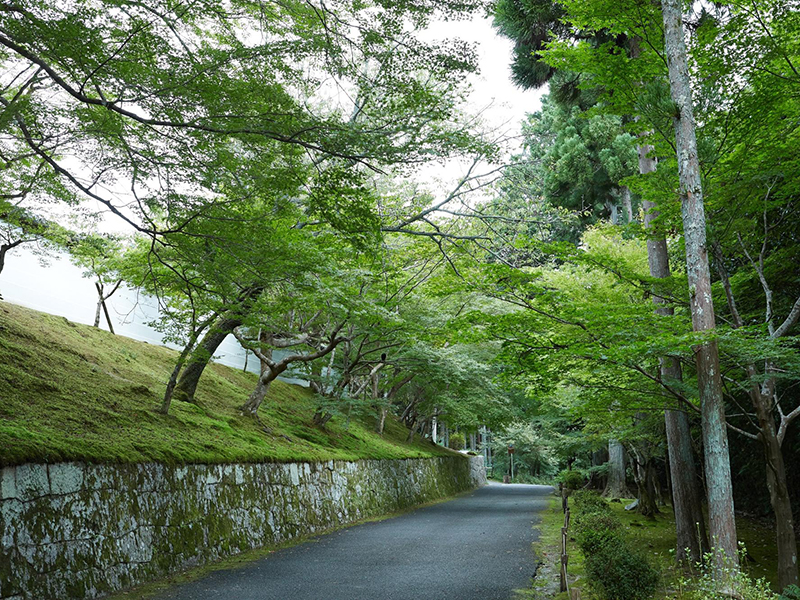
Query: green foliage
{"points": [[572, 480], [711, 583], [617, 570], [529, 23], [534, 459], [621, 573], [582, 157], [792, 592], [456, 441]]}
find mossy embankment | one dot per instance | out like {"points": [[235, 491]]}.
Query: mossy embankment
{"points": [[74, 392]]}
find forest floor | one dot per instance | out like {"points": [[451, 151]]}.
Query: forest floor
{"points": [[75, 392], [654, 538]]}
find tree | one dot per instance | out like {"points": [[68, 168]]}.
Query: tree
{"points": [[722, 525], [100, 255], [136, 95]]}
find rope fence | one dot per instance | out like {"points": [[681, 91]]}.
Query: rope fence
{"points": [[574, 593]]}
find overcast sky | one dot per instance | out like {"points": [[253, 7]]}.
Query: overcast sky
{"points": [[493, 86]]}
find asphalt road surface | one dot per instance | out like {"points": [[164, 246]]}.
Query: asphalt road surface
{"points": [[476, 547]]}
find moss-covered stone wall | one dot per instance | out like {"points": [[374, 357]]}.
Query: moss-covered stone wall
{"points": [[75, 530]]}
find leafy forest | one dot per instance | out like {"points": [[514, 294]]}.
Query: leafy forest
{"points": [[617, 293]]}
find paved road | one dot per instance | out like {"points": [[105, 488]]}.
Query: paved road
{"points": [[476, 547]]}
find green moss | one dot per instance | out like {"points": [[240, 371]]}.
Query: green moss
{"points": [[73, 392]]}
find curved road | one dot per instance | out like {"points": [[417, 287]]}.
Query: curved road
{"points": [[476, 547]]}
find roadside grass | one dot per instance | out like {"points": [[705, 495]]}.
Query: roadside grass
{"points": [[547, 550], [653, 537], [74, 392]]}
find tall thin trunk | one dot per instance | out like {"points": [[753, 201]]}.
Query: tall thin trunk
{"points": [[382, 420], [778, 489], [108, 316], [627, 206], [762, 397], [690, 529], [717, 457], [97, 311], [616, 486], [690, 526]]}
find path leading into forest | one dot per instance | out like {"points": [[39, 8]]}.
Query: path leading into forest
{"points": [[476, 547]]}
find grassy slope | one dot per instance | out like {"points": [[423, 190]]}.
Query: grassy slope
{"points": [[73, 392], [655, 538]]}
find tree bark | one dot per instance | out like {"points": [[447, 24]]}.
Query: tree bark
{"points": [[717, 457], [599, 457], [108, 316], [690, 526], [200, 357], [616, 486], [644, 473], [627, 206], [274, 369], [690, 529], [97, 311], [778, 489]]}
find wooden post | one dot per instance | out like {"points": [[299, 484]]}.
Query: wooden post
{"points": [[564, 556]]}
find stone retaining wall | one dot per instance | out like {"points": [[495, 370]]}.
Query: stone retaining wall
{"points": [[75, 530]]}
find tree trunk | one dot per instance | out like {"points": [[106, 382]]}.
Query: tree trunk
{"points": [[717, 458], [5, 249], [382, 419], [187, 384], [616, 486], [645, 475], [599, 457], [690, 529], [257, 396], [412, 431], [627, 206], [778, 490], [108, 316], [98, 309], [173, 378]]}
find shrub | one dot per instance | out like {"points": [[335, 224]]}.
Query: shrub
{"points": [[595, 530], [572, 480], [619, 572], [456, 441], [586, 501]]}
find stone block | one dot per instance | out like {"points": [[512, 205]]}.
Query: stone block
{"points": [[65, 478], [32, 482], [294, 474], [8, 483]]}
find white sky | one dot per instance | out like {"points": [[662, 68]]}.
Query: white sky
{"points": [[493, 87]]}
